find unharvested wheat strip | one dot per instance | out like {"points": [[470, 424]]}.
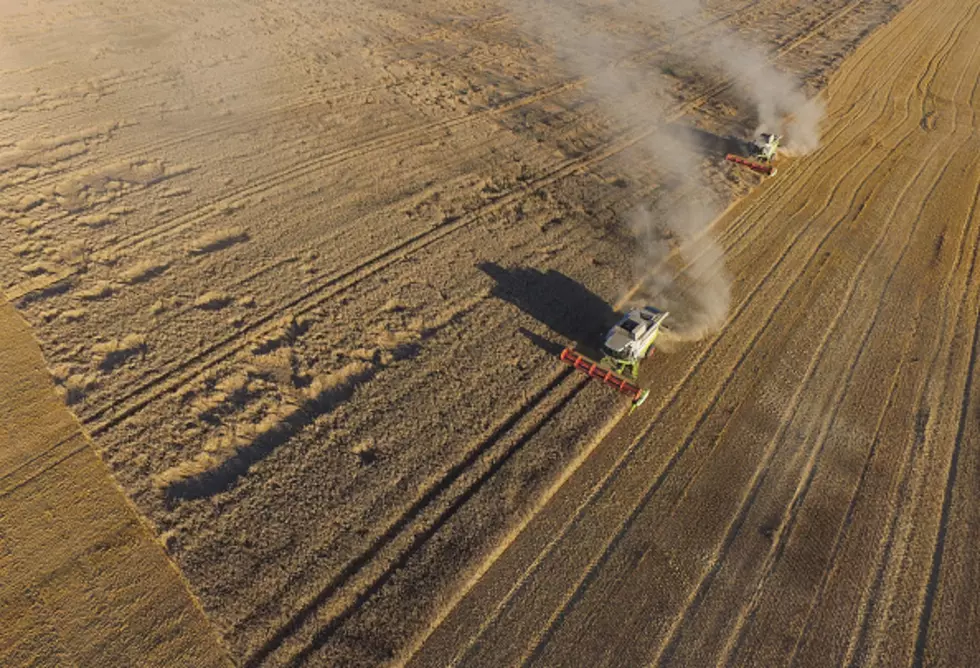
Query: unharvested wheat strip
{"points": [[61, 514], [763, 468], [951, 273], [787, 524]]}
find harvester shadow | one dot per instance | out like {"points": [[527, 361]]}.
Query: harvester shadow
{"points": [[562, 304], [542, 342], [717, 146]]}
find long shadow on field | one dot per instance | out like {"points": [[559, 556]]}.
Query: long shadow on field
{"points": [[221, 473], [562, 304], [717, 146]]}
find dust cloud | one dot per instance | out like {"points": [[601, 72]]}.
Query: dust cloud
{"points": [[679, 265]]}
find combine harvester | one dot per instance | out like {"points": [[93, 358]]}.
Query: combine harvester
{"points": [[629, 341], [765, 148]]}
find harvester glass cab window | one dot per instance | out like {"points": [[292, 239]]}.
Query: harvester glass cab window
{"points": [[614, 353]]}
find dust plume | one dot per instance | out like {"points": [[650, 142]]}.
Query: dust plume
{"points": [[680, 267], [780, 105], [778, 102]]}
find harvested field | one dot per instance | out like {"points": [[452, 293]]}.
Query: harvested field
{"points": [[302, 269]]}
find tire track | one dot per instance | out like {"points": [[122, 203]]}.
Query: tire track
{"points": [[812, 30], [762, 471], [676, 454], [64, 119], [378, 262], [355, 150], [870, 601], [364, 559], [325, 241], [788, 522], [620, 463]]}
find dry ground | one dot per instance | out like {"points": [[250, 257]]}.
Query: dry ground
{"points": [[82, 581], [301, 270]]}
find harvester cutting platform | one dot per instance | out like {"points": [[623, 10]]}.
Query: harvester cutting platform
{"points": [[765, 150], [625, 345]]}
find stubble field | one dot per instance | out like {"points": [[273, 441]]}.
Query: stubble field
{"points": [[301, 271]]}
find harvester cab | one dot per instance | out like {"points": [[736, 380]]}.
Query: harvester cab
{"points": [[764, 147], [767, 145], [628, 342]]}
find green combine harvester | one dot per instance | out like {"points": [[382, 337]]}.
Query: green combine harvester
{"points": [[627, 343], [765, 149]]}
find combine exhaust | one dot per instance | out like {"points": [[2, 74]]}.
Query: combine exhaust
{"points": [[593, 370], [760, 167]]}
